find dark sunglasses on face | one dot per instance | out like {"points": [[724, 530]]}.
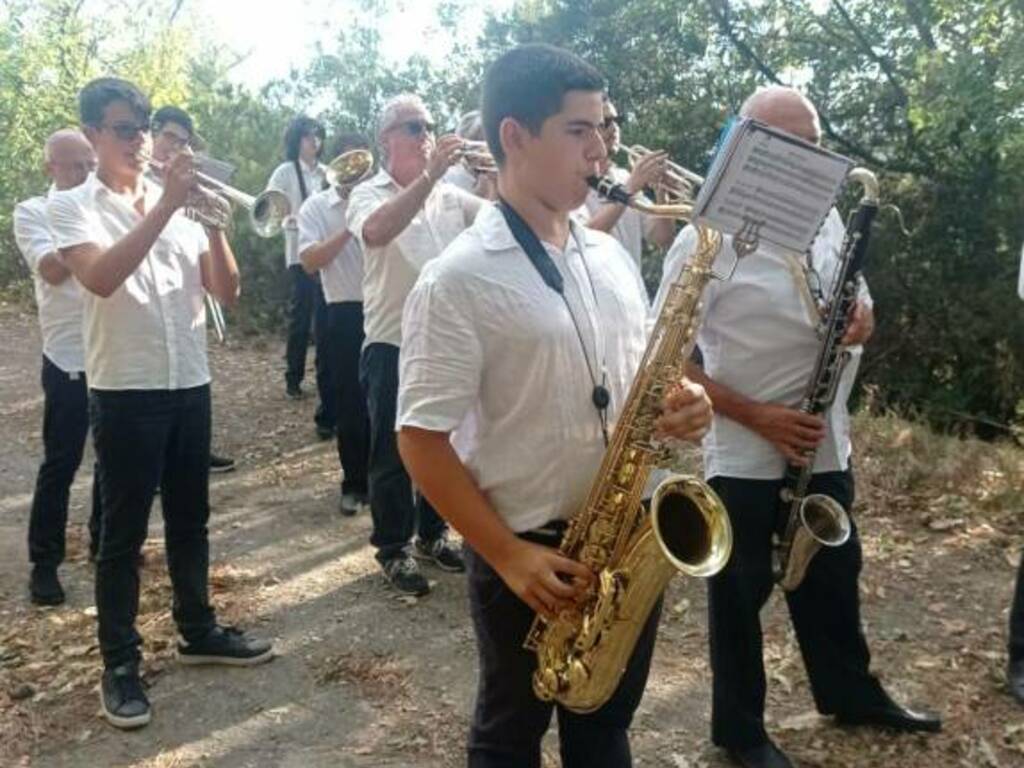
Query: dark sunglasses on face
{"points": [[613, 120], [127, 131], [416, 127]]}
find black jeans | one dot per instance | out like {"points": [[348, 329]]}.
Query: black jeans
{"points": [[825, 611], [146, 438], [509, 721], [345, 324], [1017, 615], [307, 307], [65, 428], [396, 513]]}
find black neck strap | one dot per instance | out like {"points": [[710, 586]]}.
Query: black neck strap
{"points": [[552, 277]]}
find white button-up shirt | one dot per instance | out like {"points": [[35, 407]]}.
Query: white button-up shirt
{"points": [[151, 332], [285, 179], [60, 306], [321, 217], [485, 337], [390, 271], [632, 226], [758, 338]]}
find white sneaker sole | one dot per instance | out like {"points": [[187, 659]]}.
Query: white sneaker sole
{"points": [[124, 723], [228, 661]]}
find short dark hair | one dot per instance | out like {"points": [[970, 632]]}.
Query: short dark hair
{"points": [[347, 140], [528, 84], [97, 94], [297, 128], [175, 115]]}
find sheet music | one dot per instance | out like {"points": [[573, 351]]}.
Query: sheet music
{"points": [[770, 185]]}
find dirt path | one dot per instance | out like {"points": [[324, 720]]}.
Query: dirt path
{"points": [[367, 679]]}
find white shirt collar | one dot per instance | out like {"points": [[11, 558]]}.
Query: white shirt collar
{"points": [[382, 179], [496, 235]]}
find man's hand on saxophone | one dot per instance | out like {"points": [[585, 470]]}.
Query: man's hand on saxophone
{"points": [[541, 577], [686, 413]]}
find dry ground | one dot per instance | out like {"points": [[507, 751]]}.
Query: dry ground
{"points": [[367, 679]]}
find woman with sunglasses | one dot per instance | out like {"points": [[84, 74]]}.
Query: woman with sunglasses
{"points": [[299, 177]]}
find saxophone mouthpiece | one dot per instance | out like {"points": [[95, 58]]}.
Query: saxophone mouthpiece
{"points": [[607, 188]]}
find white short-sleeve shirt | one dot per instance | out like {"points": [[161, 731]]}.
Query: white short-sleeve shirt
{"points": [[321, 217], [285, 179], [151, 332], [485, 337], [758, 338], [632, 226], [60, 306], [390, 271]]}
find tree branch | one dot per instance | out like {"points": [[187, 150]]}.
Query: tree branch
{"points": [[917, 16], [885, 65]]}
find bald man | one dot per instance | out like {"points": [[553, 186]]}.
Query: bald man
{"points": [[68, 161], [759, 345]]}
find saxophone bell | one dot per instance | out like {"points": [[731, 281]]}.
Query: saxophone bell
{"points": [[823, 523], [691, 526]]}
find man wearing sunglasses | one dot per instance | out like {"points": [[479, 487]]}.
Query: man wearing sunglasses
{"points": [[173, 132], [759, 342], [630, 227], [404, 216], [69, 159], [144, 267]]}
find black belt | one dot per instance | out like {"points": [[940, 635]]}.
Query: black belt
{"points": [[549, 534]]}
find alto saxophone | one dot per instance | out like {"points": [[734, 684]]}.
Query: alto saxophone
{"points": [[816, 520], [582, 652]]}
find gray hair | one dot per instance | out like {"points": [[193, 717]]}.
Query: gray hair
{"points": [[60, 137], [395, 107], [471, 126]]}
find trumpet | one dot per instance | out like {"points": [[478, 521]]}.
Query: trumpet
{"points": [[210, 203], [348, 169], [477, 158], [678, 183]]}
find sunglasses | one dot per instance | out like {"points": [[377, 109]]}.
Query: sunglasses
{"points": [[127, 131], [608, 122], [416, 127]]}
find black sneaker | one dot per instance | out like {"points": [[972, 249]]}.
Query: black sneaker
{"points": [[122, 698], [442, 552], [404, 575], [226, 645], [294, 392], [219, 464], [325, 432], [44, 586]]}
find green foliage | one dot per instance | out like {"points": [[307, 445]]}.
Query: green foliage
{"points": [[928, 93]]}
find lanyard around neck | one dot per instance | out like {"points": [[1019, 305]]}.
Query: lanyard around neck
{"points": [[553, 278]]}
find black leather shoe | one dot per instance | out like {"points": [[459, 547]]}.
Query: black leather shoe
{"points": [[1015, 679], [765, 755], [44, 586], [893, 716]]}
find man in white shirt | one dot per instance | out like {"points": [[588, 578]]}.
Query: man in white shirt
{"points": [[299, 176], [68, 161], [144, 267], [327, 247], [759, 345], [627, 225], [173, 132], [404, 216], [486, 335]]}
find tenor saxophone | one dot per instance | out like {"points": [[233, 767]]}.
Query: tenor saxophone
{"points": [[583, 651]]}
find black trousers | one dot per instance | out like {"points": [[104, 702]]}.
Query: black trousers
{"points": [[306, 309], [146, 438], [65, 428], [509, 721], [1017, 615], [396, 512], [825, 611], [345, 341]]}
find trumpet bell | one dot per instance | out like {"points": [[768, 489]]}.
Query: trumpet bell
{"points": [[349, 168], [268, 212]]}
